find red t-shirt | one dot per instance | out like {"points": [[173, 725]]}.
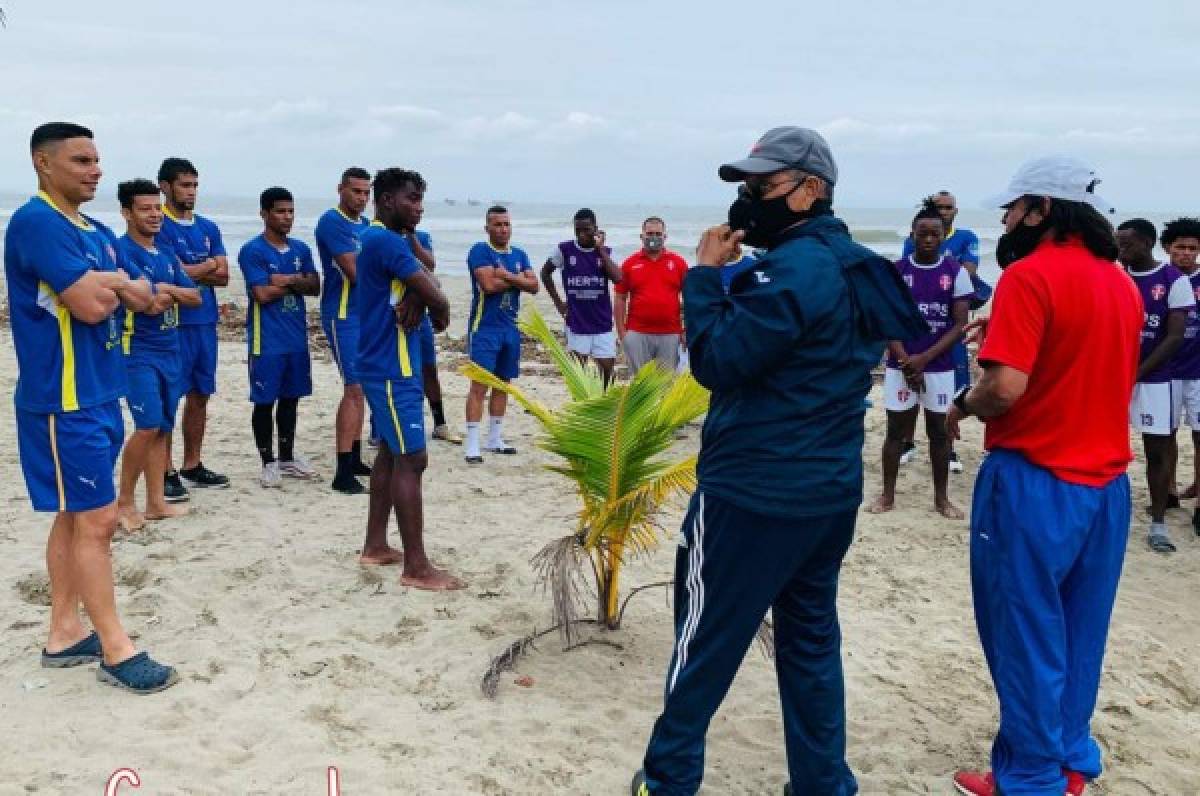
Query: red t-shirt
{"points": [[1072, 322], [653, 287]]}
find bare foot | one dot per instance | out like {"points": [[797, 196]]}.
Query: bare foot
{"points": [[130, 520], [881, 504], [949, 510], [167, 512], [433, 580], [387, 557]]}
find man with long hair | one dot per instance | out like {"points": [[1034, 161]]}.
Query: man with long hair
{"points": [[1050, 517]]}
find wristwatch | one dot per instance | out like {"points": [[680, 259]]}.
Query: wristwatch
{"points": [[960, 400]]}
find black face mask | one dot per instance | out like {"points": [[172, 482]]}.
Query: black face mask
{"points": [[1013, 246], [764, 219]]}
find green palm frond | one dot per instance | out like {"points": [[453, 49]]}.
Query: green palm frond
{"points": [[583, 380], [535, 407]]}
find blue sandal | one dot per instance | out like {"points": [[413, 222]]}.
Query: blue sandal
{"points": [[78, 654], [140, 675]]}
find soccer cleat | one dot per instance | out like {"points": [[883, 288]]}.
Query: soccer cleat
{"points": [[270, 476], [955, 464], [201, 476], [173, 489], [297, 467], [975, 783], [444, 433], [910, 453]]}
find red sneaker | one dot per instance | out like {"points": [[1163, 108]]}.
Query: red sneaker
{"points": [[1076, 782], [975, 783]]}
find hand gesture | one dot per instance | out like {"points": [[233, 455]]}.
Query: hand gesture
{"points": [[718, 245]]}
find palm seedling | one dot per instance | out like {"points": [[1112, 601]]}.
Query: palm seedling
{"points": [[614, 445]]}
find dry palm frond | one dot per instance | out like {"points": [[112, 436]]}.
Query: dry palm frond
{"points": [[559, 569]]}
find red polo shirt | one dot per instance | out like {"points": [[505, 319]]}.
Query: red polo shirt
{"points": [[653, 287], [1072, 322]]}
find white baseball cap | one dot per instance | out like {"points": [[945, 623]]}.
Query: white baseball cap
{"points": [[1056, 177]]}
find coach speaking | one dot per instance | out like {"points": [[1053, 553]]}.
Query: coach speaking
{"points": [[787, 355]]}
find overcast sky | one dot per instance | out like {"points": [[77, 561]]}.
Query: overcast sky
{"points": [[615, 101]]}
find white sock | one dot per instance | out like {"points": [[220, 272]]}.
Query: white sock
{"points": [[472, 444], [495, 437]]}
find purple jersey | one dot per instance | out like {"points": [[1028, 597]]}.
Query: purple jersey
{"points": [[589, 306], [1186, 363], [1163, 288], [934, 288]]}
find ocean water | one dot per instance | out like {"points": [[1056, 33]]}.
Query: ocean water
{"points": [[538, 227]]}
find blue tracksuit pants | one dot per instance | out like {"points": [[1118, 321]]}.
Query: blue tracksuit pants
{"points": [[730, 569], [1046, 557]]}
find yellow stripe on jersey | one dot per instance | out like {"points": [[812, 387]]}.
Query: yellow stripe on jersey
{"points": [[392, 408], [80, 222], [48, 300], [58, 479], [478, 311], [256, 332], [358, 220], [398, 290], [344, 303], [127, 338]]}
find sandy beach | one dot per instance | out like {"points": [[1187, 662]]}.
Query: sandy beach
{"points": [[294, 658]]}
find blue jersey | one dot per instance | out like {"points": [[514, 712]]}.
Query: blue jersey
{"points": [[63, 363], [193, 242], [152, 335], [279, 326], [495, 310], [385, 352], [731, 271], [337, 234]]}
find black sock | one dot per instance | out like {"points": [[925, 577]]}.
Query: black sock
{"points": [[261, 422], [285, 421], [357, 465], [345, 467], [439, 416]]}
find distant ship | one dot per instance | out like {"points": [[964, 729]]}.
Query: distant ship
{"points": [[451, 202], [474, 202]]}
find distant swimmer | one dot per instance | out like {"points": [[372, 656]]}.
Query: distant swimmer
{"points": [[587, 268], [65, 285], [394, 293], [338, 232], [197, 242], [500, 273], [647, 302], [279, 272], [150, 341], [920, 372], [1181, 240], [1168, 299]]}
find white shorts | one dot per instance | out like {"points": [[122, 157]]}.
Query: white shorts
{"points": [[937, 397], [597, 346], [1186, 396], [1152, 410]]}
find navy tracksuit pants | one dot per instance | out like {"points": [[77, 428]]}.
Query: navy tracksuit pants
{"points": [[1046, 557], [731, 568]]}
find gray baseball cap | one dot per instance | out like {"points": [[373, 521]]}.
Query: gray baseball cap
{"points": [[785, 148]]}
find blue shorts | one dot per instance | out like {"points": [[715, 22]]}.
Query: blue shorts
{"points": [[153, 393], [428, 349], [68, 457], [343, 341], [198, 359], [498, 351], [275, 376], [397, 413]]}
